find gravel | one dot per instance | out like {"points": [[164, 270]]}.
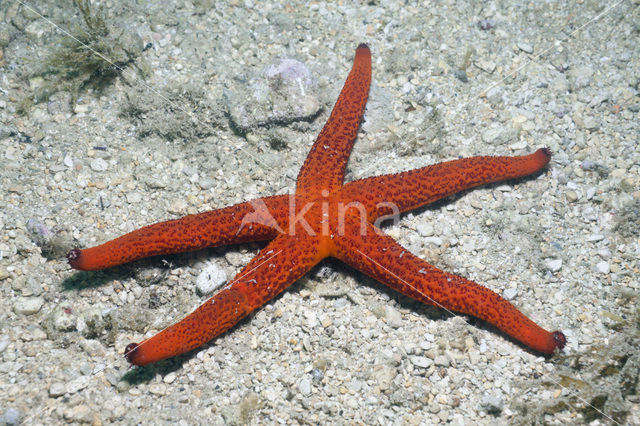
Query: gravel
{"points": [[233, 99]]}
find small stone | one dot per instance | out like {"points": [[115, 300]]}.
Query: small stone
{"points": [[581, 76], [4, 343], [595, 237], [518, 121], [93, 348], [77, 384], [79, 414], [421, 361], [384, 375], [81, 108], [603, 267], [178, 207], [37, 29], [5, 36], [62, 318], [461, 75], [442, 361], [485, 65], [497, 135], [56, 389], [158, 389], [627, 184], [210, 279], [494, 95], [486, 24], [604, 253], [169, 378], [28, 305], [284, 93], [436, 241], [304, 386], [525, 47], [492, 404], [98, 165], [393, 317], [11, 416], [590, 123], [554, 265], [425, 229], [134, 197], [510, 293], [572, 196]]}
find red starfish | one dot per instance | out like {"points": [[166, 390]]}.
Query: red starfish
{"points": [[325, 218]]}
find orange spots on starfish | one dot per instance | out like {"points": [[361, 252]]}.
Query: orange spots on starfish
{"points": [[324, 218]]}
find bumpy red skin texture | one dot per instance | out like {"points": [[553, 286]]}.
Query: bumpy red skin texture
{"points": [[416, 188], [275, 268], [213, 228], [324, 167], [319, 222], [380, 257]]}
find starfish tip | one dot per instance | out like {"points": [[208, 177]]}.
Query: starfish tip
{"points": [[73, 257], [130, 352], [363, 46], [559, 338]]}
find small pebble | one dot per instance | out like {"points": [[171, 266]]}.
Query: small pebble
{"points": [[79, 414], [304, 386], [169, 378], [4, 343], [134, 197], [62, 317], [384, 375], [510, 293], [437, 241], [77, 384], [486, 24], [554, 265], [603, 267], [211, 278], [98, 165], [421, 361], [525, 47], [28, 305], [159, 389], [11, 416], [485, 65], [492, 404], [572, 196], [425, 229], [57, 389], [442, 361], [393, 317]]}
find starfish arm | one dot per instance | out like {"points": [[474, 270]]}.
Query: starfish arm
{"points": [[229, 225], [324, 167], [275, 268], [415, 188], [380, 257]]}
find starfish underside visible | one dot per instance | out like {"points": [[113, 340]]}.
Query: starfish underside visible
{"points": [[326, 218]]}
